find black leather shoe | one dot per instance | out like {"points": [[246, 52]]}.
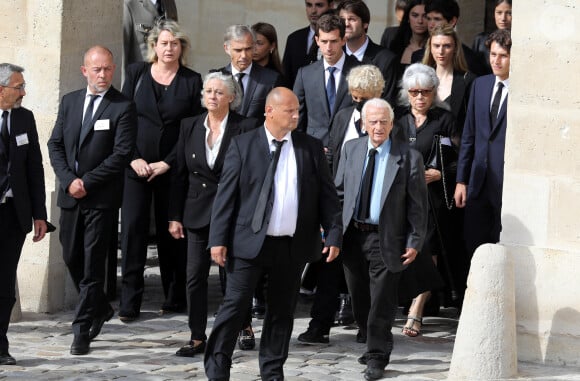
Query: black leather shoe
{"points": [[190, 349], [172, 308], [362, 360], [344, 315], [80, 345], [314, 336], [361, 336], [246, 340], [258, 308], [128, 317], [374, 373], [6, 359], [99, 322]]}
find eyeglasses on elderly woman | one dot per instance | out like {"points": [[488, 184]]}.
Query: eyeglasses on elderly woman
{"points": [[424, 92]]}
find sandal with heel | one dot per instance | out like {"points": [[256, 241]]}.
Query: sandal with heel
{"points": [[409, 329]]}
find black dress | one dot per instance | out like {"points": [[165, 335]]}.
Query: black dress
{"points": [[422, 275]]}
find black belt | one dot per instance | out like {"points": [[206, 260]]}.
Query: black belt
{"points": [[279, 237], [361, 226]]}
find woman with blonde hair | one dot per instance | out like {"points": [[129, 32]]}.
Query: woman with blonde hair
{"points": [[165, 92]]}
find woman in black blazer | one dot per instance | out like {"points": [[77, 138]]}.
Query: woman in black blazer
{"points": [[444, 53], [165, 92], [421, 117], [201, 151]]}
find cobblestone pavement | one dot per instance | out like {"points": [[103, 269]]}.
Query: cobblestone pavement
{"points": [[145, 349]]}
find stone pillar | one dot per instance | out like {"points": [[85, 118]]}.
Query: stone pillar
{"points": [[48, 38], [485, 347], [542, 179]]}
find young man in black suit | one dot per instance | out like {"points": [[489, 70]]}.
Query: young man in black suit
{"points": [[480, 166], [357, 16], [301, 48], [266, 219], [90, 146], [22, 195], [321, 88], [256, 81]]}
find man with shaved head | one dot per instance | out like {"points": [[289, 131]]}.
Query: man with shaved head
{"points": [[274, 194], [90, 146]]}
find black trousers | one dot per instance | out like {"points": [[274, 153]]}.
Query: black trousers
{"points": [[373, 289], [137, 197], [198, 266], [482, 223], [283, 272], [85, 235], [11, 241], [323, 311]]}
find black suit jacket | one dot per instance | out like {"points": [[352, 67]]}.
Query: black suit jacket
{"points": [[296, 54], [102, 154], [458, 101], [310, 88], [261, 80], [158, 121], [340, 124], [244, 170], [194, 184], [26, 170], [387, 62]]}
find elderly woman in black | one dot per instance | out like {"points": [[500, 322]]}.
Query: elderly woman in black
{"points": [[201, 150], [422, 117], [165, 92]]}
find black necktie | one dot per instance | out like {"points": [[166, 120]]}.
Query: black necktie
{"points": [[331, 89], [366, 187], [495, 104], [266, 188], [240, 76], [5, 134]]}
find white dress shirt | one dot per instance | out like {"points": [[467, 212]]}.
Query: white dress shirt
{"points": [[504, 93], [212, 152], [285, 209], [338, 65]]}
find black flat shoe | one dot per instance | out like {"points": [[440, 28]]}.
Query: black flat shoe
{"points": [[314, 336], [81, 345], [246, 340], [190, 349], [6, 359], [99, 322]]}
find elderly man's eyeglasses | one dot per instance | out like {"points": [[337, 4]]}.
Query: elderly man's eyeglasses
{"points": [[19, 88], [423, 92]]}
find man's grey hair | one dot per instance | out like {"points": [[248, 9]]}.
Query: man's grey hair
{"points": [[237, 32], [378, 103], [6, 71]]}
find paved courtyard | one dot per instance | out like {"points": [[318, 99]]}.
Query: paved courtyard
{"points": [[145, 349]]}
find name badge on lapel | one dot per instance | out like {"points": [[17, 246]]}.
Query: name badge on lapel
{"points": [[22, 139], [102, 124]]}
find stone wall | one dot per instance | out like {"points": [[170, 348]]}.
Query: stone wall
{"points": [[542, 184]]}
